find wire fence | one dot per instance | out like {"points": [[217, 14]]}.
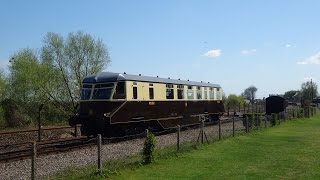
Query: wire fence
{"points": [[243, 108], [180, 137]]}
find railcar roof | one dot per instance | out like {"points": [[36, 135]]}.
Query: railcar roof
{"points": [[112, 77]]}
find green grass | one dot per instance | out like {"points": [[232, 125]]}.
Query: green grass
{"points": [[288, 151]]}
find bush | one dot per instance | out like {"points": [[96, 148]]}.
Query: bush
{"points": [[300, 112], [2, 119], [14, 114], [148, 149], [273, 119], [257, 121]]}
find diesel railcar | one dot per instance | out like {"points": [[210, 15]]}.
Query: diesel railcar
{"points": [[115, 104]]}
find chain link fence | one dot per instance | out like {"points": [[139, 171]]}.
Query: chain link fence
{"points": [[177, 139]]}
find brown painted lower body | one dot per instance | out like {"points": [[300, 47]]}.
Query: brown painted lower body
{"points": [[128, 117]]}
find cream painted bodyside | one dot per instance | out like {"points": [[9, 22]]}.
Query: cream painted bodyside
{"points": [[129, 91], [160, 92], [185, 92]]}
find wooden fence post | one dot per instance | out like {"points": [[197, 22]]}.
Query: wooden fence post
{"points": [[247, 124], [233, 126], [99, 154], [202, 132], [265, 121], [33, 160], [252, 108], [256, 107], [293, 113], [178, 138], [219, 129]]}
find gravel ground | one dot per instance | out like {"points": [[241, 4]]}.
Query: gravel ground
{"points": [[50, 164]]}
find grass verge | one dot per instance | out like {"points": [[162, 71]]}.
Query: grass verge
{"points": [[287, 151]]}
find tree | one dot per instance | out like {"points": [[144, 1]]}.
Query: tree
{"points": [[53, 78], [3, 85], [250, 93], [291, 95], [3, 95], [309, 90], [24, 76], [24, 89], [72, 59], [233, 101]]}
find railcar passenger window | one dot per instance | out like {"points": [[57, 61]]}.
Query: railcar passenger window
{"points": [[205, 93], [151, 94], [135, 92], [218, 94], [211, 93], [190, 92], [199, 93], [180, 92], [120, 91], [169, 91]]}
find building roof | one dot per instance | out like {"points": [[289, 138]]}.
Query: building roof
{"points": [[112, 77]]}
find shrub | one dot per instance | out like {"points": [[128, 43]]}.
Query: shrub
{"points": [[14, 114], [257, 121], [273, 119], [148, 149], [2, 119]]}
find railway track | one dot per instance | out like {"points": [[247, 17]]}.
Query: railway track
{"points": [[21, 151], [10, 132], [24, 150]]}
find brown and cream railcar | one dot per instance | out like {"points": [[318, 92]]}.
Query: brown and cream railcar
{"points": [[120, 104]]}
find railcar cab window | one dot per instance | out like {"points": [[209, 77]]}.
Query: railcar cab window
{"points": [[151, 92], [120, 92], [169, 91], [199, 93], [102, 91], [190, 92], [135, 90], [86, 91], [180, 92]]}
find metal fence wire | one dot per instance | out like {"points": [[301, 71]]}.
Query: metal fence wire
{"points": [[179, 138]]}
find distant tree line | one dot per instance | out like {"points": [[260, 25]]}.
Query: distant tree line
{"points": [[51, 76], [308, 91]]}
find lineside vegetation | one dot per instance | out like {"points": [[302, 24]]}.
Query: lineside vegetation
{"points": [[287, 151]]}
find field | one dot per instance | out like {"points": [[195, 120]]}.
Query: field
{"points": [[287, 151]]}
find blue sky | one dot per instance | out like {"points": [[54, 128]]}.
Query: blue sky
{"points": [[274, 45]]}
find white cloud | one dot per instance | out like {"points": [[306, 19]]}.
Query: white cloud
{"points": [[248, 51], [214, 53], [314, 59], [290, 45]]}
